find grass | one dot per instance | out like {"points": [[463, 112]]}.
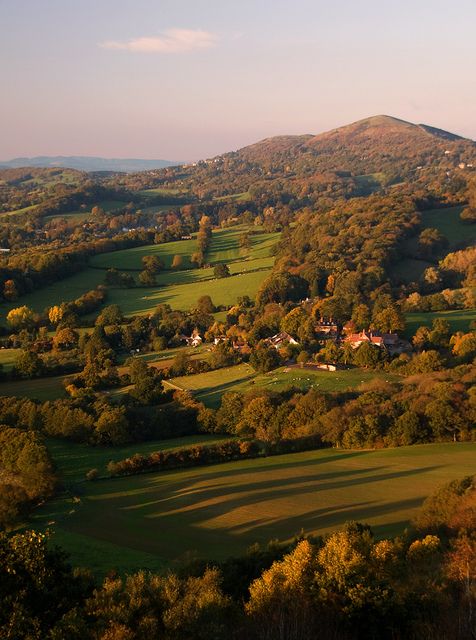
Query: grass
{"points": [[8, 357], [459, 320], [448, 222], [244, 196], [17, 211], [185, 296], [177, 288], [160, 191], [409, 269], [61, 291], [157, 520], [224, 248], [36, 389], [73, 216], [131, 259], [74, 460], [209, 387], [142, 301]]}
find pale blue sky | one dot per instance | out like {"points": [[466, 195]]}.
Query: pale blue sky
{"points": [[184, 79]]}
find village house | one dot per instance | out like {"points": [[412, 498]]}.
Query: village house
{"points": [[195, 340], [389, 341], [280, 340], [326, 329]]}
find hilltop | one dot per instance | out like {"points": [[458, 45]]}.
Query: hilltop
{"points": [[360, 147], [355, 159]]}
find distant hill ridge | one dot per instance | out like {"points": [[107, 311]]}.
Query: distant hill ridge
{"points": [[89, 163]]}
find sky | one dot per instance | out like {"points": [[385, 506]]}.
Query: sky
{"points": [[189, 79]]}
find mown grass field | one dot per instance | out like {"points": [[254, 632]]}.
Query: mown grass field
{"points": [[83, 214], [141, 300], [160, 191], [409, 269], [458, 320], [36, 389], [224, 248], [158, 520], [210, 387], [448, 222], [74, 460], [8, 357], [131, 259], [177, 288], [61, 291]]}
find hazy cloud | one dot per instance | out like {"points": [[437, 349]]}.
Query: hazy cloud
{"points": [[170, 41]]}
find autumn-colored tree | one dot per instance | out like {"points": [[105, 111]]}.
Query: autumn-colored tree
{"points": [[55, 314], [21, 318], [10, 291]]}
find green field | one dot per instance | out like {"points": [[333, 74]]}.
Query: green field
{"points": [[409, 269], [140, 300], [234, 197], [75, 460], [37, 389], [8, 357], [459, 320], [158, 520], [83, 214], [448, 222], [225, 245], [17, 211], [161, 191], [211, 386], [177, 288], [61, 291], [224, 248], [132, 258]]}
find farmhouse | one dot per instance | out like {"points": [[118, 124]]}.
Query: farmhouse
{"points": [[195, 340], [280, 339]]}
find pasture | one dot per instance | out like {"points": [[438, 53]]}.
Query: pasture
{"points": [[131, 259], [459, 320], [74, 460], [143, 300], [209, 387], [35, 389], [175, 287], [448, 222], [8, 357], [225, 291], [61, 291], [158, 520], [224, 248]]}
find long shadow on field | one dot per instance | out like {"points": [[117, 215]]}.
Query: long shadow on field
{"points": [[208, 502], [221, 511], [222, 388]]}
